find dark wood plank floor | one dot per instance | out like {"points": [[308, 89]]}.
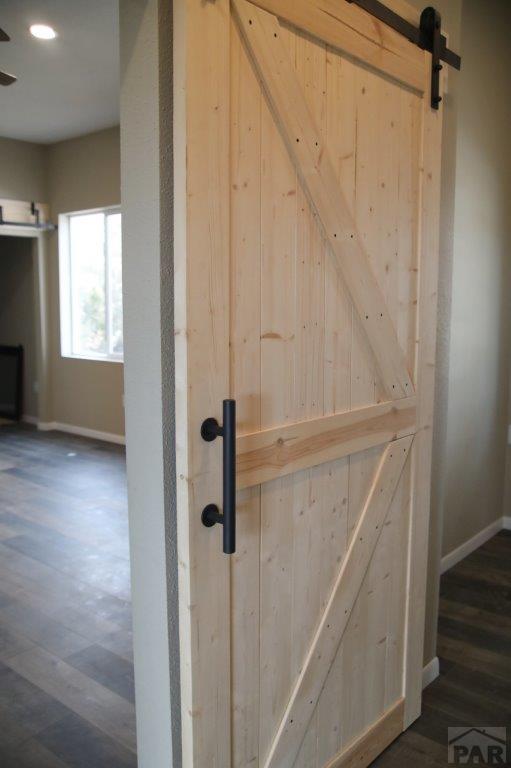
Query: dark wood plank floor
{"points": [[66, 661], [66, 673], [474, 648]]}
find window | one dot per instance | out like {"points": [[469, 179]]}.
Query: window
{"points": [[91, 284]]}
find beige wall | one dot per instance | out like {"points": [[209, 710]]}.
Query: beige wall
{"points": [[22, 170], [480, 318], [83, 173], [71, 175], [17, 309]]}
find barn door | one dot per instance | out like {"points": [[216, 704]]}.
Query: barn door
{"points": [[307, 190]]}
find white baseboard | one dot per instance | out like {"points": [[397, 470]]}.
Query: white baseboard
{"points": [[72, 429], [46, 426], [430, 672], [472, 544]]}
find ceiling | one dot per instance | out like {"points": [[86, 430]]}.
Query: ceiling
{"points": [[68, 86]]}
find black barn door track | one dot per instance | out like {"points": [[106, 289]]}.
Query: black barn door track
{"points": [[428, 36]]}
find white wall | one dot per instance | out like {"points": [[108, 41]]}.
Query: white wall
{"points": [[146, 162]]}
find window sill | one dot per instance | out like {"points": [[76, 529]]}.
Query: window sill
{"points": [[92, 358]]}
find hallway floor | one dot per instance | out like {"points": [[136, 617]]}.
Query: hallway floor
{"points": [[66, 668], [474, 648]]}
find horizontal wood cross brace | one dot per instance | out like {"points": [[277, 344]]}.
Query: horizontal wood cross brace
{"points": [[272, 453]]}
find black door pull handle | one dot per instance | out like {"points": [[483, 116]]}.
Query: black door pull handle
{"points": [[211, 515]]}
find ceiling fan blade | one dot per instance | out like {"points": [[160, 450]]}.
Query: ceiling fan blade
{"points": [[6, 79]]}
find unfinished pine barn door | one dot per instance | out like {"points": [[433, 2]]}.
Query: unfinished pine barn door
{"points": [[307, 192]]}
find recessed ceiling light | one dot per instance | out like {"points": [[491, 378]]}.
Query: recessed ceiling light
{"points": [[43, 32]]}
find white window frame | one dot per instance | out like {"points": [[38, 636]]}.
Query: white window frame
{"points": [[66, 289]]}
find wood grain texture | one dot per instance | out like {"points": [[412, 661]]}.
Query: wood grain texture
{"points": [[202, 292], [303, 139], [265, 455], [341, 347], [425, 378], [329, 633], [374, 43], [245, 331], [318, 519], [373, 741], [314, 336], [279, 256]]}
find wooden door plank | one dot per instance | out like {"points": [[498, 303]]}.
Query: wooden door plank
{"points": [[262, 33], [265, 455], [341, 139], [365, 748], [409, 126], [245, 340], [354, 31], [399, 530], [314, 522], [375, 213], [425, 377], [328, 635], [201, 291], [278, 406]]}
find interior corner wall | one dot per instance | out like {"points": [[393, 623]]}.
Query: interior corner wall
{"points": [[23, 170], [83, 173], [481, 308]]}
